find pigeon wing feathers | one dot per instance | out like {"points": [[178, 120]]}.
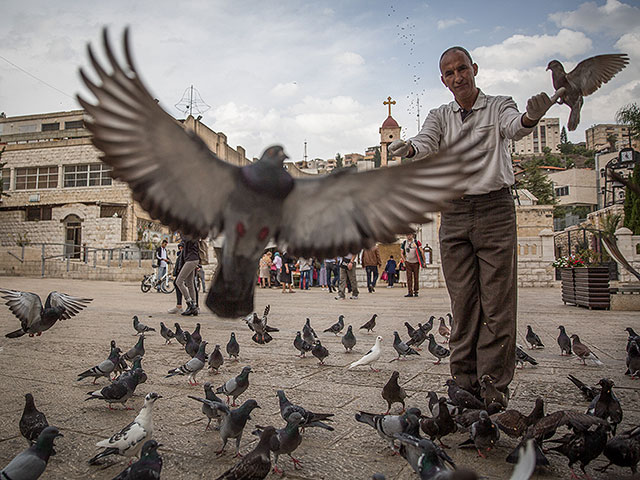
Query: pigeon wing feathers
{"points": [[127, 438], [24, 305], [590, 74], [143, 143], [71, 305], [412, 189]]}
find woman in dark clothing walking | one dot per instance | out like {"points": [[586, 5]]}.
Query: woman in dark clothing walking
{"points": [[185, 280]]}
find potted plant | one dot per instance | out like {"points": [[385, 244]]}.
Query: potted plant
{"points": [[584, 282]]}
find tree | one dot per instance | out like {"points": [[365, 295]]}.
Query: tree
{"points": [[563, 136], [339, 161], [630, 115], [632, 204], [537, 183], [612, 139], [377, 158]]}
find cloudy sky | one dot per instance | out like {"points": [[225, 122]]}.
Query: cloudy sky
{"points": [[292, 71]]}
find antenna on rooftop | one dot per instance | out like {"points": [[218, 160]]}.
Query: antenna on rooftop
{"points": [[191, 102]]}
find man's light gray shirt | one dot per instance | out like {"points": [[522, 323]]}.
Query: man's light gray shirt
{"points": [[497, 117]]}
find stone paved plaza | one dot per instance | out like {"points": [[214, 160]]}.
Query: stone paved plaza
{"points": [[47, 366]]}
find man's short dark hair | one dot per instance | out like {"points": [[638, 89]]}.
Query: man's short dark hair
{"points": [[459, 49]]}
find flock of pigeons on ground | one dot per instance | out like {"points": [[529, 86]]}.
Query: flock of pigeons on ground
{"points": [[415, 436]]}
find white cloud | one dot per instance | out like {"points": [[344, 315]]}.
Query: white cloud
{"points": [[349, 59], [285, 89], [520, 51], [451, 22], [614, 17]]}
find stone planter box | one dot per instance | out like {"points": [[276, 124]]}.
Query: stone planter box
{"points": [[586, 287]]}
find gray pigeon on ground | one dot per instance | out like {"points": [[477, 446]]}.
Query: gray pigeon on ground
{"points": [[233, 347], [523, 357], [309, 418], [302, 346], [147, 468], [583, 352], [388, 425], [437, 350], [401, 348], [33, 421], [192, 367], [418, 336], [633, 359], [191, 347], [348, 340], [623, 450], [462, 398], [233, 423], [426, 458], [533, 339], [256, 465], [392, 392], [444, 331], [320, 352], [196, 335], [166, 333], [288, 440], [104, 368], [587, 77], [179, 335], [564, 342], [137, 364], [236, 386], [34, 318], [441, 425], [141, 327], [207, 408], [216, 360], [118, 392], [337, 327], [31, 463], [484, 434], [136, 351], [308, 333], [129, 440], [371, 324], [254, 204], [606, 404]]}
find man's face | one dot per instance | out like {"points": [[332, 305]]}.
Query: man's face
{"points": [[458, 74], [164, 244]]}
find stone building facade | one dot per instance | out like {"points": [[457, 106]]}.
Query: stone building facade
{"points": [[61, 193], [545, 134]]}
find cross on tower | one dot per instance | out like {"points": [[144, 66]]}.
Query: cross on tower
{"points": [[389, 102]]}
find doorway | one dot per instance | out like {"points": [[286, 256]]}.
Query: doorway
{"points": [[73, 236]]}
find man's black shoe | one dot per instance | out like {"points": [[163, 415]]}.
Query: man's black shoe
{"points": [[407, 295]]}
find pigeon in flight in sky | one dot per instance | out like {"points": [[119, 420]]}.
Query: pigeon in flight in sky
{"points": [[585, 79], [203, 195], [34, 318]]}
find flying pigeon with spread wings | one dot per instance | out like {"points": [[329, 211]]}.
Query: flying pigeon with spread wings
{"points": [[201, 195]]}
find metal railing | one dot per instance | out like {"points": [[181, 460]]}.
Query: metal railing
{"points": [[72, 253]]}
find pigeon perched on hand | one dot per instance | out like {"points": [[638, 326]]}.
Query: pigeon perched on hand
{"points": [[348, 340], [236, 386], [370, 325], [564, 342], [583, 352], [310, 419], [392, 392], [337, 327], [192, 367], [147, 468], [216, 360], [130, 439], [587, 77], [166, 333], [371, 356], [34, 318], [141, 327], [33, 421], [31, 463], [260, 201]]}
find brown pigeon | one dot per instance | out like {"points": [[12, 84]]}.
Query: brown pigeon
{"points": [[202, 195], [585, 79]]}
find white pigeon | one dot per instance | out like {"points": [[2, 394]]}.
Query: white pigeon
{"points": [[129, 440], [372, 355]]}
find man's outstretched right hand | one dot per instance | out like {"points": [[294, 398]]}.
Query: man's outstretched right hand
{"points": [[400, 148]]}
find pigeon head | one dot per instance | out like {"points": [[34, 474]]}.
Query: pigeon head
{"points": [[295, 418], [575, 338], [555, 66], [151, 397], [250, 405], [245, 371], [149, 447], [484, 415], [378, 339], [450, 382], [606, 384], [47, 436], [561, 328], [486, 379], [395, 374]]}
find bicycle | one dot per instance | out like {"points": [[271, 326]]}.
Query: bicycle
{"points": [[165, 284]]}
